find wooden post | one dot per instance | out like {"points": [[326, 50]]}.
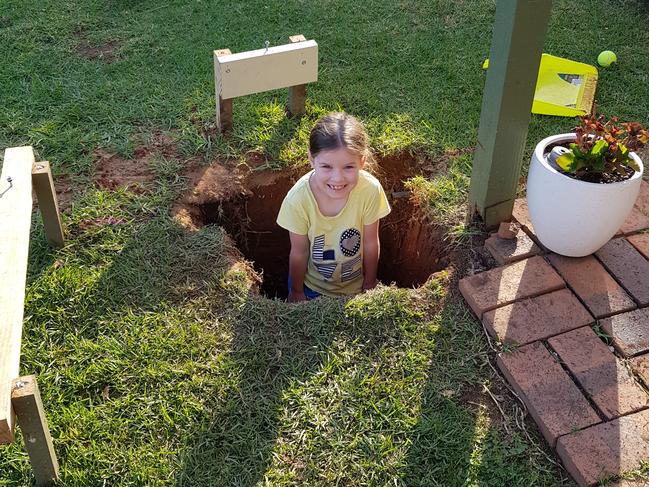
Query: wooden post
{"points": [[46, 196], [15, 222], [516, 48], [223, 107], [27, 404], [296, 94]]}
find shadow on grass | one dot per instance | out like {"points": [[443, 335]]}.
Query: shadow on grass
{"points": [[315, 394], [446, 434], [274, 346], [331, 393], [459, 438]]}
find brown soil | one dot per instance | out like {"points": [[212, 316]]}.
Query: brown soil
{"points": [[474, 397], [103, 52], [134, 174], [64, 192], [246, 204], [412, 246], [601, 178], [113, 171]]}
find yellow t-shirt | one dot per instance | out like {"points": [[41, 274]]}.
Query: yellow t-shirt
{"points": [[336, 242]]}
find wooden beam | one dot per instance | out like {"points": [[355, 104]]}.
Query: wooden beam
{"points": [[223, 107], [47, 203], [15, 222], [249, 72], [296, 105], [516, 48], [27, 403]]}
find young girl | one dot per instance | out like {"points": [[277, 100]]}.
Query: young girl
{"points": [[332, 214]]}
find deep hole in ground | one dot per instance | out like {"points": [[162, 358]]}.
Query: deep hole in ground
{"points": [[412, 246]]}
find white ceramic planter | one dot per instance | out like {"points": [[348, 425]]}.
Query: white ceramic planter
{"points": [[571, 217]]}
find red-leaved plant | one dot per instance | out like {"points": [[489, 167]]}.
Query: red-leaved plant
{"points": [[601, 149]]}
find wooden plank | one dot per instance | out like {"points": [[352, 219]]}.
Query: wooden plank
{"points": [[276, 67], [516, 48], [223, 107], [15, 222], [47, 203], [225, 115], [296, 38], [27, 403], [296, 105]]}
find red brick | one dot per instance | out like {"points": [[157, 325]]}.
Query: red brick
{"points": [[590, 281], [641, 243], [537, 318], [640, 366], [604, 378], [629, 331], [522, 216], [628, 266], [511, 250], [642, 203], [553, 400], [606, 449], [504, 285], [508, 230], [635, 222]]}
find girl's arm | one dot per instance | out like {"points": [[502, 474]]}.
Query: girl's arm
{"points": [[297, 262], [371, 249]]}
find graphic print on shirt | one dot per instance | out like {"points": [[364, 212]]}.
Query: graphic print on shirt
{"points": [[319, 256], [350, 242], [347, 272], [318, 247]]}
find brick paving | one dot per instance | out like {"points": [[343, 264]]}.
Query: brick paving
{"points": [[553, 399], [599, 372], [635, 222], [628, 267], [504, 285], [580, 328], [511, 250], [641, 242], [537, 318], [629, 331], [598, 290]]}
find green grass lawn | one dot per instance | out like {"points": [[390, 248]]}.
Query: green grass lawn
{"points": [[156, 362]]}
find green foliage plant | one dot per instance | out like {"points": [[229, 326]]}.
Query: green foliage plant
{"points": [[601, 151]]}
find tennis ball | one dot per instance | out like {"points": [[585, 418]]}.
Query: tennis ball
{"points": [[606, 58]]}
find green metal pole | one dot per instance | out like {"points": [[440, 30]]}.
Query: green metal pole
{"points": [[516, 48]]}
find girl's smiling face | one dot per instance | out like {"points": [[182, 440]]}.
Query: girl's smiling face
{"points": [[336, 172]]}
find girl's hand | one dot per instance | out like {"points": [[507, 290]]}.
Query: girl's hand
{"points": [[296, 296], [367, 285]]}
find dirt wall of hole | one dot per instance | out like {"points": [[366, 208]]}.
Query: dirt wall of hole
{"points": [[412, 247], [250, 220]]}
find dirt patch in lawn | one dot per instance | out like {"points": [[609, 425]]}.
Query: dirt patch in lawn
{"points": [[64, 192], [114, 171], [246, 204], [105, 52], [136, 174]]}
